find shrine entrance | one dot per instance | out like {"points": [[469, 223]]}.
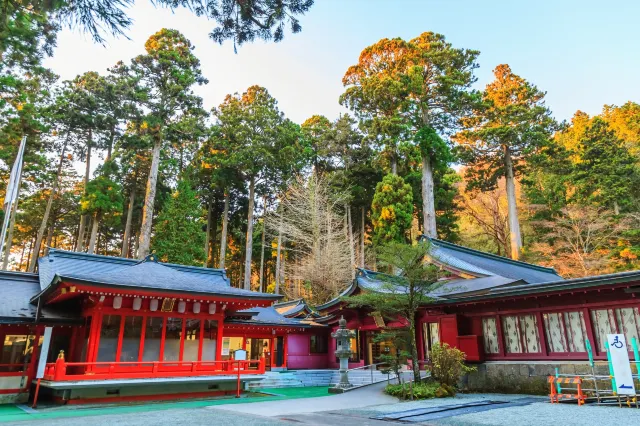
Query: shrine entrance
{"points": [[257, 348]]}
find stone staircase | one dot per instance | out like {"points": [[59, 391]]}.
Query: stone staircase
{"points": [[305, 378]]}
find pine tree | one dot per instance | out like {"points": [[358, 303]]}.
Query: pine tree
{"points": [[510, 126], [179, 236]]}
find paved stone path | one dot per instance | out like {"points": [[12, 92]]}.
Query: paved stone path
{"points": [[364, 397]]}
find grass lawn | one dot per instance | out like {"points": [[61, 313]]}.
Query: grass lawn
{"points": [[11, 413]]}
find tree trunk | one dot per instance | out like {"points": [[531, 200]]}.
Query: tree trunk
{"points": [[207, 236], [278, 256], [352, 252], [616, 208], [394, 164], [94, 233], [50, 232], [47, 210], [264, 232], [428, 198], [362, 237], [83, 218], [414, 350], [29, 255], [249, 242], [12, 224], [127, 227], [214, 233], [149, 199], [223, 236], [110, 143], [514, 223]]}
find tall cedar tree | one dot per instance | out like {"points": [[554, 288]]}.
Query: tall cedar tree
{"points": [[391, 210], [404, 293], [426, 81], [166, 75], [178, 237], [510, 126], [254, 128]]}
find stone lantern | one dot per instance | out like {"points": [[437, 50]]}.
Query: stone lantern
{"points": [[343, 352]]}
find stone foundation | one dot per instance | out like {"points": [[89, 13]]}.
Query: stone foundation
{"points": [[527, 377]]}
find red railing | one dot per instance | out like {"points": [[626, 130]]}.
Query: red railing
{"points": [[65, 371], [12, 369]]}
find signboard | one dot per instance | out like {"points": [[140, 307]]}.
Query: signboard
{"points": [[226, 343], [44, 352], [240, 355], [619, 354]]}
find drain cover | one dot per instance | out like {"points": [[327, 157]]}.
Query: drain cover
{"points": [[432, 413]]}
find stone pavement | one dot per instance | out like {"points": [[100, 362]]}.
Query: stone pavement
{"points": [[367, 396]]}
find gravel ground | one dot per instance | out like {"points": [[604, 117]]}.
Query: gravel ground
{"points": [[191, 417], [536, 414]]}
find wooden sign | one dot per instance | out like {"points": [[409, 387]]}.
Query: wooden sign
{"points": [[167, 305]]}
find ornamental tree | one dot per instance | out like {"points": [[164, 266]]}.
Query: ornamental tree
{"points": [[404, 291], [509, 127], [178, 233], [391, 210]]}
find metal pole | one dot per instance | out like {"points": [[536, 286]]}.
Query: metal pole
{"points": [[593, 371], [636, 357], [238, 390]]}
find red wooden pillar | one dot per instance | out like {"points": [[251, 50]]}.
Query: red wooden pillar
{"points": [[143, 332], [285, 350], [219, 339], [120, 335]]}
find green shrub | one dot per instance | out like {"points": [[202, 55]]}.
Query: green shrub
{"points": [[423, 390], [447, 365]]}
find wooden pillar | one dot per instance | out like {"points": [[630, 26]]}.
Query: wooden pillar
{"points": [[219, 338], [285, 349]]}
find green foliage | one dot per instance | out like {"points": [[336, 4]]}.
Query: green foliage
{"points": [[103, 196], [179, 236], [240, 21], [391, 210], [605, 174], [510, 124], [447, 364], [397, 356], [421, 390]]}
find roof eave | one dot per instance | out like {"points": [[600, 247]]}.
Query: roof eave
{"points": [[59, 278], [564, 285]]}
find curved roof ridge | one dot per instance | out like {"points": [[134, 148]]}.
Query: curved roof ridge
{"points": [[453, 246]]}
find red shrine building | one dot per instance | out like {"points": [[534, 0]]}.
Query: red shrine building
{"points": [[90, 328]]}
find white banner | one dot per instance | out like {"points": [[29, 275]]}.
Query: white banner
{"points": [[44, 352], [621, 367]]}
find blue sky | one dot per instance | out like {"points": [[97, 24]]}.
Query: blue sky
{"points": [[583, 53]]}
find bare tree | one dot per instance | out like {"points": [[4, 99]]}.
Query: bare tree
{"points": [[312, 220], [578, 241], [487, 215]]}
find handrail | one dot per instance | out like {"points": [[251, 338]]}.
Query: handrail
{"points": [[366, 366], [370, 367]]}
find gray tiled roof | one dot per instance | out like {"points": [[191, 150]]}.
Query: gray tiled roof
{"points": [[268, 316], [482, 263], [16, 290], [147, 274]]}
